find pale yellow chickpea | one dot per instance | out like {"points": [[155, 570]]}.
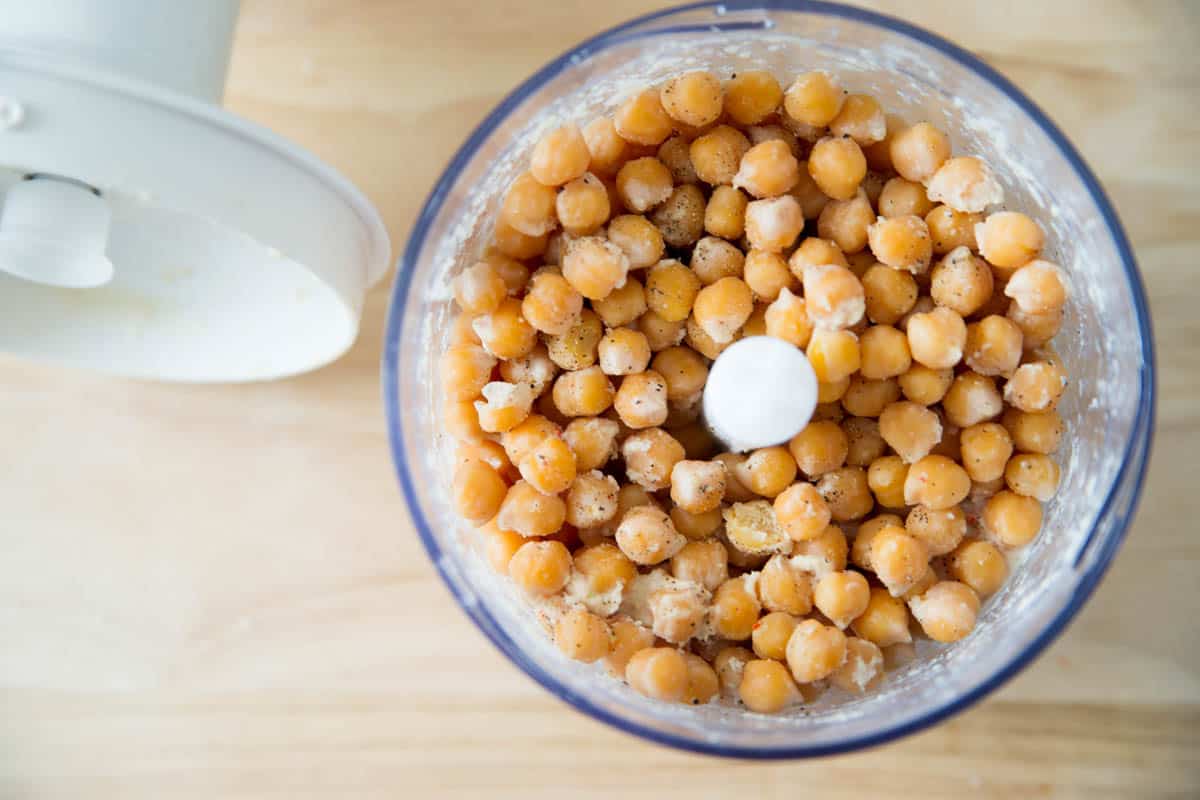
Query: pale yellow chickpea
{"points": [[838, 166], [767, 471], [504, 406], [680, 218], [901, 197], [787, 318], [918, 150], [582, 635], [462, 332], [1036, 386], [500, 546], [808, 194], [714, 258], [541, 568], [828, 394], [593, 440], [504, 332], [937, 482], [826, 553], [1037, 287], [560, 156], [774, 223], [910, 429], [1009, 239], [783, 586], [592, 499], [937, 338], [901, 242], [623, 306], [940, 531], [677, 611], [885, 478], [716, 155], [767, 274], [693, 98], [841, 596], [947, 611], [768, 169], [675, 153], [647, 536], [1037, 432], [638, 238], [642, 119], [884, 622], [551, 304], [771, 634], [722, 308], [595, 267], [862, 669], [520, 440], [578, 346], [834, 354], [582, 207], [1036, 329], [965, 184], [725, 214], [461, 420], [986, 448], [819, 448], [605, 146], [660, 673], [512, 243], [735, 609], [924, 385], [641, 401], [661, 333], [696, 526], [765, 687], [951, 229], [703, 684], [846, 493], [643, 183], [530, 512], [861, 118], [478, 490], [814, 99], [466, 369], [583, 393], [650, 455], [671, 290], [961, 282], [1033, 475], [888, 293], [704, 563], [729, 662], [814, 651], [549, 466], [697, 486], [845, 222], [866, 443], [479, 289], [535, 369], [603, 567], [628, 637], [978, 564], [624, 351], [1011, 519], [834, 297], [885, 352], [899, 560], [752, 96], [802, 512], [815, 252], [701, 342], [993, 346], [868, 398], [972, 398]]}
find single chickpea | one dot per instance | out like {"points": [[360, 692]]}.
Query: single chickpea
{"points": [[937, 482], [868, 398], [644, 183], [861, 118], [971, 399], [462, 332], [716, 155], [937, 338], [771, 633], [671, 290], [965, 184], [842, 596], [638, 238], [838, 166], [910, 429], [516, 245], [675, 153], [504, 406], [1012, 519], [900, 198], [499, 546], [725, 214], [735, 609], [901, 242], [466, 369], [578, 346], [860, 551], [479, 289], [1038, 432], [541, 568], [1036, 329], [520, 441], [641, 402], [940, 531], [1036, 386], [624, 351], [884, 622], [784, 587], [1033, 475], [729, 663], [722, 308], [530, 512], [946, 611], [642, 119], [714, 259], [980, 492], [879, 153], [677, 611], [735, 491], [478, 490], [704, 563], [826, 553], [693, 98], [951, 229], [815, 252], [819, 448], [551, 305], [767, 471], [773, 224], [661, 333], [549, 466], [582, 206], [834, 354], [582, 635], [949, 446], [768, 170], [683, 370], [628, 637], [787, 318], [862, 669], [559, 157], [993, 346], [583, 393], [885, 478], [899, 560], [808, 194], [986, 448], [650, 455], [961, 282], [1037, 287], [698, 486], [696, 526], [680, 217], [1009, 239], [888, 293], [592, 499], [660, 673], [802, 512], [603, 567], [834, 297], [767, 274], [593, 440], [703, 684], [846, 493], [504, 332], [647, 536], [866, 443], [814, 651], [845, 222], [924, 385], [978, 564], [752, 96], [535, 369], [918, 151], [814, 99], [529, 206], [766, 687], [595, 267], [605, 146], [461, 420], [828, 394], [885, 352]]}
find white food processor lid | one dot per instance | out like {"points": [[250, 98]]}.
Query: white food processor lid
{"points": [[146, 232]]}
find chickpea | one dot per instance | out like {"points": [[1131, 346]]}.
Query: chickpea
{"points": [[504, 406], [549, 466], [828, 394], [802, 512], [735, 609], [752, 96], [603, 567], [940, 531], [878, 154], [899, 560], [842, 596], [461, 332], [846, 493], [910, 429], [819, 448], [838, 166], [583, 206], [885, 353], [961, 282], [624, 351], [866, 443], [861, 118], [671, 290], [937, 338], [697, 526], [716, 155], [784, 587], [815, 252], [650, 455], [885, 478], [826, 553], [1038, 432], [813, 99], [516, 245], [947, 611], [694, 98], [766, 687], [767, 275], [901, 242], [638, 238], [787, 318], [583, 393], [884, 622], [937, 482], [479, 289], [722, 308], [698, 486], [773, 224], [986, 448], [868, 398], [808, 194], [834, 297], [541, 568], [767, 471], [504, 332], [628, 638], [993, 346], [680, 217], [814, 651], [1009, 239], [520, 440], [703, 684], [725, 214], [768, 170], [529, 206], [643, 184], [461, 420], [900, 198], [592, 499], [978, 564], [704, 563], [466, 369], [834, 354], [551, 305], [535, 369], [578, 347], [918, 151], [862, 669], [1012, 519], [1033, 475], [1036, 329], [593, 440], [659, 332], [605, 146], [677, 611], [1037, 287], [647, 536], [478, 491], [1036, 386], [595, 267], [729, 664], [559, 157], [971, 399], [924, 385], [642, 119], [641, 402], [888, 293], [500, 546], [845, 222], [530, 512], [951, 229], [714, 259], [660, 673], [771, 633], [582, 635], [675, 154]]}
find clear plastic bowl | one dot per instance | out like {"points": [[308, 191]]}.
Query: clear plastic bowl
{"points": [[1106, 344]]}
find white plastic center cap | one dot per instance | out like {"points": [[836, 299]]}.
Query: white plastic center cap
{"points": [[761, 391], [54, 232]]}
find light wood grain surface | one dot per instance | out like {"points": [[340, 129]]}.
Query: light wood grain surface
{"points": [[215, 592]]}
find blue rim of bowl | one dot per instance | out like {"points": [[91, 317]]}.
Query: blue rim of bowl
{"points": [[1135, 456]]}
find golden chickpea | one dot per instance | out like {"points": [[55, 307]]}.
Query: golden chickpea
{"points": [[787, 318], [578, 346], [722, 308], [704, 563], [642, 119], [479, 289], [1012, 519], [583, 393], [1036, 386], [660, 673], [767, 275], [814, 99], [644, 183], [1036, 329], [628, 638], [593, 440], [862, 669], [826, 553], [901, 242], [951, 229], [549, 466], [624, 351], [986, 448], [838, 166], [560, 156], [834, 354], [771, 633], [466, 369], [530, 512], [725, 214], [971, 399], [1037, 287], [768, 169], [918, 151], [638, 238], [784, 587], [535, 369], [693, 98], [946, 611], [1038, 432], [868, 398], [846, 493], [773, 224], [504, 406], [878, 154], [815, 252], [641, 402], [866, 443], [716, 155], [698, 486], [845, 222], [884, 622], [819, 448], [680, 217], [830, 393], [551, 305], [461, 420], [735, 609], [834, 297], [861, 118], [993, 346], [604, 567], [659, 332], [478, 490], [516, 245], [752, 96], [802, 512], [647, 536], [583, 206], [677, 611], [766, 687], [937, 338], [529, 206], [675, 153], [582, 635], [842, 596], [978, 564], [885, 478], [729, 664], [937, 482], [767, 471], [500, 546], [521, 440], [885, 352], [541, 568], [1033, 475], [940, 531], [808, 194], [703, 684], [901, 197], [595, 267], [924, 385], [696, 526], [910, 429], [814, 651], [714, 259], [899, 560], [671, 290], [701, 342], [504, 332], [961, 282], [965, 184], [592, 499], [462, 332], [605, 146], [889, 294], [1009, 239], [650, 455]]}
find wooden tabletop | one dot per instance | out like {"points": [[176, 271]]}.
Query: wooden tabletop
{"points": [[215, 592]]}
